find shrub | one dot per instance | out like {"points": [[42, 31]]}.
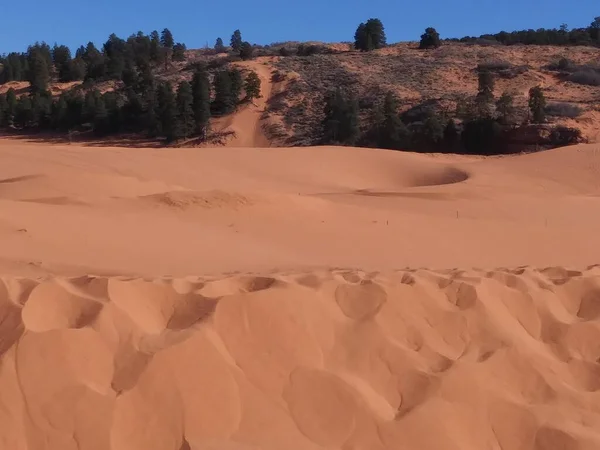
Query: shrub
{"points": [[560, 109], [561, 136], [493, 66], [563, 65], [284, 51], [589, 77]]}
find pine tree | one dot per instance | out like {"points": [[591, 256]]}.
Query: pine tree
{"points": [[167, 112], [451, 136], [370, 35], [201, 102], [485, 95], [41, 104], [430, 39], [505, 108], [246, 51], [39, 74], [223, 102], [155, 46], [391, 132], [101, 118], [340, 124], [24, 115], [11, 109], [252, 86], [594, 30], [360, 38], [185, 112], [166, 39], [236, 86], [133, 110], [114, 51], [236, 41], [88, 112], [77, 69], [179, 52], [61, 56], [3, 111], [94, 60], [537, 104], [219, 46], [59, 114]]}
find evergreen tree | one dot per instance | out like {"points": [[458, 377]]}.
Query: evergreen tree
{"points": [[167, 111], [485, 94], [59, 114], [370, 35], [391, 132], [77, 69], [3, 111], [360, 38], [155, 46], [133, 110], [24, 115], [594, 30], [340, 124], [236, 41], [237, 84], [179, 52], [505, 108], [11, 106], [432, 131], [101, 118], [482, 136], [114, 52], [94, 60], [39, 74], [219, 46], [88, 112], [41, 104], [246, 51], [430, 39], [129, 74], [201, 102], [166, 39], [185, 111], [252, 86], [537, 104], [61, 56], [451, 136], [224, 100]]}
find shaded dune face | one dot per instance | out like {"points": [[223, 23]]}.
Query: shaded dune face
{"points": [[337, 359]]}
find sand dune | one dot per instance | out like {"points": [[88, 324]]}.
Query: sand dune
{"points": [[315, 298], [327, 359]]}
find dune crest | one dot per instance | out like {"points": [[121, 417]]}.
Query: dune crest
{"points": [[336, 359]]}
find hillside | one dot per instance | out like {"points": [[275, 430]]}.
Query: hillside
{"points": [[290, 112], [439, 76]]}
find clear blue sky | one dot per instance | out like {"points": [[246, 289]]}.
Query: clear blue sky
{"points": [[197, 22]]}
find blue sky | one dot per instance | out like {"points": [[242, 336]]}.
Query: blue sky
{"points": [[197, 22]]}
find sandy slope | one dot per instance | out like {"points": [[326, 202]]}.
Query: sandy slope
{"points": [[120, 329], [246, 123]]}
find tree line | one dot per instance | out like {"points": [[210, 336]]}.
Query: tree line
{"points": [[145, 105], [479, 124], [563, 36], [118, 59], [370, 35]]}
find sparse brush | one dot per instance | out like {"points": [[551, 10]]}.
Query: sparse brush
{"points": [[560, 109]]}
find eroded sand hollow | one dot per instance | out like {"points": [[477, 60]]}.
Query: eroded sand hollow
{"points": [[331, 359]]}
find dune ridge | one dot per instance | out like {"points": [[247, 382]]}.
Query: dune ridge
{"points": [[456, 359]]}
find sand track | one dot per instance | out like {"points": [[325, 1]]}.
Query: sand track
{"points": [[349, 359]]}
